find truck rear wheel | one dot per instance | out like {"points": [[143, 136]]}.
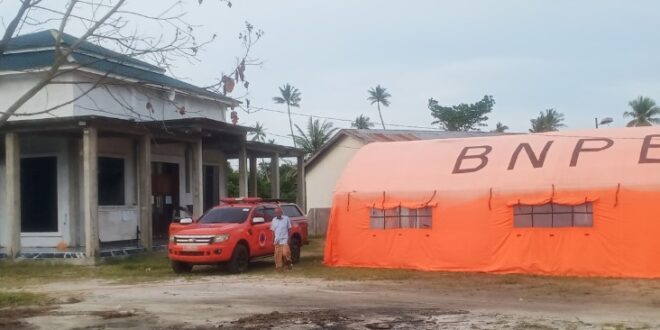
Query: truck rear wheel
{"points": [[240, 259], [294, 246], [181, 267]]}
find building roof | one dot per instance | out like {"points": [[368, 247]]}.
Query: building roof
{"points": [[367, 136], [37, 50]]}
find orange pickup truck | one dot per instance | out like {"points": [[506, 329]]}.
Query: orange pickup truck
{"points": [[235, 232]]}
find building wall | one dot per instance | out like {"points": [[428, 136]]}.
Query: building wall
{"points": [[323, 176], [120, 222], [4, 230], [13, 86], [127, 101]]}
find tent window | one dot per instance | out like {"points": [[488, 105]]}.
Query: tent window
{"points": [[552, 215], [401, 217]]}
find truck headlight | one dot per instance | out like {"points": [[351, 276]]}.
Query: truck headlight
{"points": [[220, 238], [172, 240]]}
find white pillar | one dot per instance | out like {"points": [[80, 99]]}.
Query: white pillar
{"points": [[300, 194], [90, 191], [144, 192], [13, 192], [242, 171], [222, 176], [197, 180], [275, 176]]}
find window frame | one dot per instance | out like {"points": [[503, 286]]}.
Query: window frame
{"points": [[553, 215], [383, 214]]}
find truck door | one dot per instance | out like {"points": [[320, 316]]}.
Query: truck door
{"points": [[261, 238]]}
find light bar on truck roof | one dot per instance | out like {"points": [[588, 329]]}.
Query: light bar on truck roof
{"points": [[237, 200]]}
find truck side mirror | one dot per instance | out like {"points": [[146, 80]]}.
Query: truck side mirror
{"points": [[186, 221], [256, 220]]}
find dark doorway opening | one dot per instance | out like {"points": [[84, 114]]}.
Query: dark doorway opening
{"points": [[39, 195], [165, 190], [211, 186]]}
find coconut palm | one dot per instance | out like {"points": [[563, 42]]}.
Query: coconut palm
{"points": [[362, 122], [547, 121], [316, 135], [379, 95], [291, 97], [644, 112], [259, 133], [500, 128]]}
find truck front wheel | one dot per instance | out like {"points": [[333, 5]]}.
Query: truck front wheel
{"points": [[240, 259], [181, 267]]}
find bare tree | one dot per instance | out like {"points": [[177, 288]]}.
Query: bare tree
{"points": [[112, 24]]}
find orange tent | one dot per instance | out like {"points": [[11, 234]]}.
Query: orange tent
{"points": [[583, 203]]}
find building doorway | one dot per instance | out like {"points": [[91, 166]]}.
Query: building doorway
{"points": [[39, 195], [165, 190], [211, 178]]}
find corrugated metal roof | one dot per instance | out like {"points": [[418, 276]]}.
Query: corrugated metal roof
{"points": [[377, 135], [367, 136], [35, 50]]}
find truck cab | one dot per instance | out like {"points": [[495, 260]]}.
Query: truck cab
{"points": [[233, 233]]}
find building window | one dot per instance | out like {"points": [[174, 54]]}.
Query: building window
{"points": [[401, 217], [111, 181], [552, 215]]}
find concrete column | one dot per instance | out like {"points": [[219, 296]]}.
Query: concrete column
{"points": [[222, 176], [197, 180], [275, 176], [254, 171], [13, 193], [300, 194], [90, 192], [144, 192], [242, 171]]}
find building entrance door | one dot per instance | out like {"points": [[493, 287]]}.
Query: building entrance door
{"points": [[165, 190]]}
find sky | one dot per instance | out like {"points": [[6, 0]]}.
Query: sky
{"points": [[584, 58]]}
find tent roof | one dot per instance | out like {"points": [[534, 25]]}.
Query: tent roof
{"points": [[430, 165]]}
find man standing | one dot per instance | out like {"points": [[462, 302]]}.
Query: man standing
{"points": [[280, 227]]}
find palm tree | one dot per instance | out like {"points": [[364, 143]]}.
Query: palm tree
{"points": [[644, 112], [379, 95], [291, 96], [259, 133], [500, 128], [547, 121], [362, 122], [317, 134]]}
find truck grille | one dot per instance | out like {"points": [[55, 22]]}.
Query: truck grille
{"points": [[193, 239]]}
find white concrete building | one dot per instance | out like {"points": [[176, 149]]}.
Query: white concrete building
{"points": [[98, 163]]}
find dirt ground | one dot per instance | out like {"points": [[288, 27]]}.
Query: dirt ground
{"points": [[286, 301]]}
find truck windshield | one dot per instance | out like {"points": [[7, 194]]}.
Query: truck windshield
{"points": [[225, 215]]}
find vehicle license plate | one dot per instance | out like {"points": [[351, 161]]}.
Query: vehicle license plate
{"points": [[190, 248]]}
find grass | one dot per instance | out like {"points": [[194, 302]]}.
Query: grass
{"points": [[20, 298], [139, 268], [156, 266]]}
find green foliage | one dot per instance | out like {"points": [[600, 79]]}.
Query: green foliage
{"points": [[259, 133], [462, 117], [288, 183], [500, 128], [317, 134], [379, 95], [290, 96], [548, 121], [644, 112], [362, 122]]}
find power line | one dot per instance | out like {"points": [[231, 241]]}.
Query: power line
{"points": [[249, 111]]}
